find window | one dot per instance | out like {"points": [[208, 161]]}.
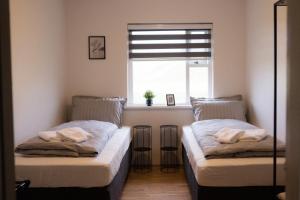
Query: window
{"points": [[169, 59]]}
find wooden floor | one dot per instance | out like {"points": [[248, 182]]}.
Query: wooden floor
{"points": [[156, 185]]}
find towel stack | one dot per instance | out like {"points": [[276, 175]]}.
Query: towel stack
{"points": [[73, 134], [229, 135]]}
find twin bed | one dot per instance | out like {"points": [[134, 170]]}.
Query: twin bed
{"points": [[90, 177], [234, 177]]}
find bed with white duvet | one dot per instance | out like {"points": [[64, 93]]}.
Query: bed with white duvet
{"points": [[95, 167], [230, 172], [83, 172], [241, 170]]}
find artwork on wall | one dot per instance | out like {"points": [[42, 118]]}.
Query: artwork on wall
{"points": [[170, 99], [96, 47]]}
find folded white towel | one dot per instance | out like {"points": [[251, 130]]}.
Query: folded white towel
{"points": [[228, 135], [254, 135], [74, 134], [49, 136]]}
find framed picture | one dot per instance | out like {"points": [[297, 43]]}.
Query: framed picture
{"points": [[170, 99], [96, 47]]}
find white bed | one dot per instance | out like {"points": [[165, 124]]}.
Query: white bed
{"points": [[82, 172], [235, 172]]}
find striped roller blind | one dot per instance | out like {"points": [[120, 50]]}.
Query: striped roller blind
{"points": [[169, 43]]}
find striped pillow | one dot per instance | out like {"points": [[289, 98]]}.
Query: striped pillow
{"points": [[108, 109], [204, 110]]}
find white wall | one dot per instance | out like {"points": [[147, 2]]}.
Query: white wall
{"points": [[109, 77], [260, 65], [38, 65], [282, 73]]}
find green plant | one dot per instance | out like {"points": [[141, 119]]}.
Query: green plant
{"points": [[149, 94]]}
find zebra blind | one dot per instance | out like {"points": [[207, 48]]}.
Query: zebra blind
{"points": [[169, 43]]}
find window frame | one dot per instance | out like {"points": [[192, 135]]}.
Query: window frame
{"points": [[188, 65]]}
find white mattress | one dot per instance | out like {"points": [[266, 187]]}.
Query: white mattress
{"points": [[230, 172], [76, 172]]}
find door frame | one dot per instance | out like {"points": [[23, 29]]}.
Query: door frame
{"points": [[7, 167]]}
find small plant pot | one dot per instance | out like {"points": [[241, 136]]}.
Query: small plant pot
{"points": [[149, 102]]}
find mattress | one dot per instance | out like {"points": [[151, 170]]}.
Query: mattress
{"points": [[83, 172], [230, 172]]}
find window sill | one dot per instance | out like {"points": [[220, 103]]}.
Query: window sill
{"points": [[158, 107]]}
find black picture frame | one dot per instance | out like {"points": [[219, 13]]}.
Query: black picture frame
{"points": [[170, 99], [96, 47]]}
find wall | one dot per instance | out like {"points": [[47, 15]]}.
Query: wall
{"points": [[282, 73], [38, 65], [109, 77], [260, 65]]}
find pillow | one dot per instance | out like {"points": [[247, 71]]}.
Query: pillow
{"points": [[220, 109], [108, 109]]}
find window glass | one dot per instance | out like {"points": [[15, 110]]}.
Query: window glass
{"points": [[162, 77], [199, 83]]}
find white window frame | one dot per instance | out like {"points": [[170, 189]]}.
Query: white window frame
{"points": [[188, 66]]}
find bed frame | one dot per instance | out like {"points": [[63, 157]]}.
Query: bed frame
{"points": [[199, 192], [113, 191]]}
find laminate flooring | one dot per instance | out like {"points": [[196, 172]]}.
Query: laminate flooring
{"points": [[156, 185]]}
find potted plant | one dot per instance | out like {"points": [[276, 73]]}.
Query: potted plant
{"points": [[149, 96]]}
